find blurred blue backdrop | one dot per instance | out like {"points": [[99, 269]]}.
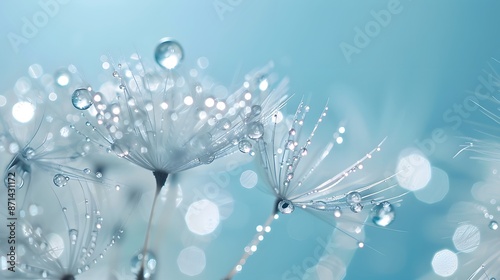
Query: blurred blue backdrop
{"points": [[388, 68]]}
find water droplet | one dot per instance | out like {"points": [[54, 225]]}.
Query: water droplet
{"points": [[206, 159], [255, 130], [493, 225], [29, 153], [60, 180], [383, 214], [245, 146], [168, 54], [98, 175], [256, 110], [356, 208], [353, 198], [86, 171], [73, 236], [149, 264], [225, 124], [152, 81], [81, 99], [119, 149], [337, 212], [285, 206], [263, 83], [62, 77], [303, 152]]}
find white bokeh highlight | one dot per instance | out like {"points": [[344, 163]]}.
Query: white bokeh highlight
{"points": [[445, 263], [191, 261], [202, 217]]}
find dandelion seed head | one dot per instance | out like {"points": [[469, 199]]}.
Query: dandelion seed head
{"points": [[168, 121]]}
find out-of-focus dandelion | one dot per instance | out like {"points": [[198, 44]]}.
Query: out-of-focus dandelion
{"points": [[168, 122], [34, 132], [487, 148], [63, 231], [480, 259], [288, 181]]}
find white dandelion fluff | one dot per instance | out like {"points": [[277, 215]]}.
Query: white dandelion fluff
{"points": [[165, 121], [34, 133], [62, 231], [288, 175]]}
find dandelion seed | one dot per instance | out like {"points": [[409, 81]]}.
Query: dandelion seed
{"points": [[60, 238], [167, 122], [287, 180]]}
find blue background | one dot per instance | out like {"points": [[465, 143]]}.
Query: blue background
{"points": [[426, 59]]}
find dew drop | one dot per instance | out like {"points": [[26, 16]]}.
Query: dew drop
{"points": [[263, 83], [98, 175], [356, 208], [73, 236], [149, 264], [62, 77], [255, 130], [29, 153], [493, 225], [86, 171], [383, 214], [353, 198], [168, 54], [337, 212], [206, 159], [225, 124], [285, 206], [81, 99], [119, 149], [245, 146], [60, 180], [256, 110]]}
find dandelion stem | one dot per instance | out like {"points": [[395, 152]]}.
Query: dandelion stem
{"points": [[252, 246], [161, 178]]}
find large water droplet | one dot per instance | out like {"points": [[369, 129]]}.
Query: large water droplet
{"points": [[285, 206], [149, 264], [255, 130], [383, 214], [60, 180], [81, 99], [353, 198], [245, 146], [168, 54]]}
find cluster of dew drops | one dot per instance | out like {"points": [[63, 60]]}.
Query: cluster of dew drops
{"points": [[168, 55]]}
